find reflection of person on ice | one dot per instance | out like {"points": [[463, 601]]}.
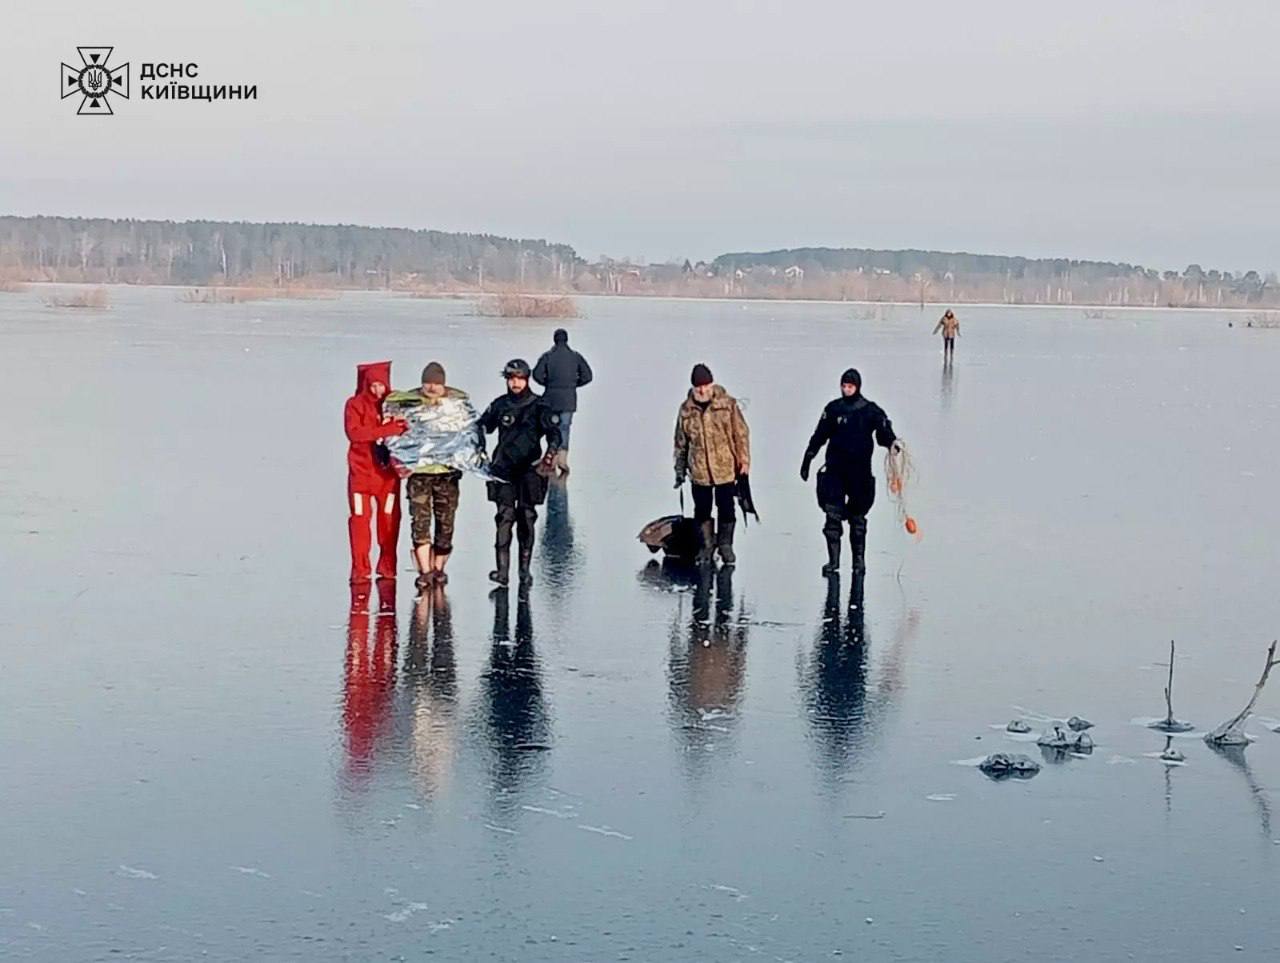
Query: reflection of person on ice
{"points": [[562, 371], [850, 427], [712, 448], [522, 420], [949, 325], [370, 677], [373, 489]]}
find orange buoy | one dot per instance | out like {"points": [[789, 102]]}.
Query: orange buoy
{"points": [[912, 527]]}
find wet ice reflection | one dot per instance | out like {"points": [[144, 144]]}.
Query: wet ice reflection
{"points": [[833, 682], [1258, 794], [560, 558], [512, 721], [311, 756], [369, 681], [431, 683], [707, 663], [844, 706]]}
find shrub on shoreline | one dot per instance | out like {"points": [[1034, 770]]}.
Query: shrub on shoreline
{"points": [[95, 298], [528, 306]]}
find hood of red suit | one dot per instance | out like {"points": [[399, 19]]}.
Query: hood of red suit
{"points": [[367, 374]]}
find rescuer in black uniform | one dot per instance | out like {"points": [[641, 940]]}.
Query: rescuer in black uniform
{"points": [[522, 420], [850, 427]]}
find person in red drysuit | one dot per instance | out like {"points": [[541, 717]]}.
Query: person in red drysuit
{"points": [[373, 488]]}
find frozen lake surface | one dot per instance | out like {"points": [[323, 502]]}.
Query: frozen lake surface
{"points": [[205, 753]]}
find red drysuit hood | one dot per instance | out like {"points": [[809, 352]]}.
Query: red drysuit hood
{"points": [[366, 374]]}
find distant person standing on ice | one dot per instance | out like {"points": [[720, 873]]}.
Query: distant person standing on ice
{"points": [[949, 325], [850, 427], [562, 371], [712, 448], [373, 488]]}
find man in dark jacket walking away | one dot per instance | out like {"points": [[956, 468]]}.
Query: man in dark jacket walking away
{"points": [[562, 371], [522, 420], [850, 427]]}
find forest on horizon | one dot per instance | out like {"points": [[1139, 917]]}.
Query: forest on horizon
{"points": [[203, 253]]}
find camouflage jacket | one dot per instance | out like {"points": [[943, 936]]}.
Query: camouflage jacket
{"points": [[711, 444]]}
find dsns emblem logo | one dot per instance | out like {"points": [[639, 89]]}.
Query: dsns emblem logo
{"points": [[95, 81]]}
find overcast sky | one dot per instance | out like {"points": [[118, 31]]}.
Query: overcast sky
{"points": [[1138, 130]]}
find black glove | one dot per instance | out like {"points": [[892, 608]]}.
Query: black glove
{"points": [[804, 467], [679, 479]]}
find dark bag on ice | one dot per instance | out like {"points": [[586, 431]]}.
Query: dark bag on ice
{"points": [[675, 535]]}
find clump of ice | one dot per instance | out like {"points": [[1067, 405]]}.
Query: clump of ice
{"points": [[1055, 737], [1003, 765]]}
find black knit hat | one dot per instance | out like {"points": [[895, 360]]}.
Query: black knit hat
{"points": [[851, 377], [433, 374], [701, 375], [561, 336]]}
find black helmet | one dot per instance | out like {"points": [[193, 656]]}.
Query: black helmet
{"points": [[516, 368]]}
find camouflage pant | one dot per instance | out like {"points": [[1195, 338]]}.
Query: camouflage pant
{"points": [[433, 495]]}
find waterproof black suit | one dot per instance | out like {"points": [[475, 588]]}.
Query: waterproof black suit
{"points": [[522, 421], [562, 371], [850, 428]]}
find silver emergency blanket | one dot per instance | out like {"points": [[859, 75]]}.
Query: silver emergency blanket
{"points": [[444, 433]]}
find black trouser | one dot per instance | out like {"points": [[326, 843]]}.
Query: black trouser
{"points": [[517, 502], [844, 498], [948, 345], [723, 495]]}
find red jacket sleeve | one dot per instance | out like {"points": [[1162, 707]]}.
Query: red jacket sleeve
{"points": [[363, 423]]}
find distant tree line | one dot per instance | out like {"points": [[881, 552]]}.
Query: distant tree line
{"points": [[909, 262], [200, 253], [221, 252], [864, 274]]}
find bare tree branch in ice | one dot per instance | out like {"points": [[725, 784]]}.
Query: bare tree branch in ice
{"points": [[1231, 732], [1169, 723]]}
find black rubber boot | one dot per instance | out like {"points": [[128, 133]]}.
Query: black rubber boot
{"points": [[858, 542], [855, 618], [524, 538], [724, 541], [832, 531], [707, 546], [502, 553], [502, 566], [833, 557]]}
